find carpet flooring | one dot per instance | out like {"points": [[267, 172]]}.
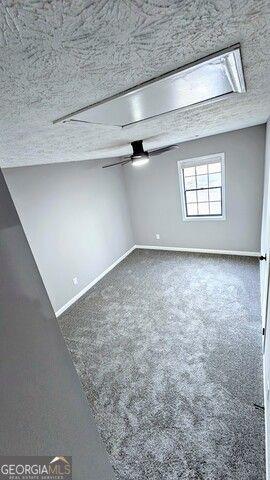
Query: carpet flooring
{"points": [[168, 349]]}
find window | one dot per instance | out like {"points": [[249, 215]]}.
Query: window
{"points": [[202, 187]]}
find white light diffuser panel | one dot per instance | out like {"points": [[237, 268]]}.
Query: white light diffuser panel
{"points": [[206, 79]]}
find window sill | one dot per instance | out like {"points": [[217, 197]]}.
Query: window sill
{"points": [[198, 219]]}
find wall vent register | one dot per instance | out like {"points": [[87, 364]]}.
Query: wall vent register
{"points": [[202, 187]]}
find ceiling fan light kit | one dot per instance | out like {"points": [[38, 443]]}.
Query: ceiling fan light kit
{"points": [[139, 162], [137, 148], [140, 156]]}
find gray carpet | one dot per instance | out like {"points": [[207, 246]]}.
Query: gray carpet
{"points": [[168, 348]]}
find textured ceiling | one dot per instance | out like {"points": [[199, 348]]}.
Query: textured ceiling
{"points": [[58, 56]]}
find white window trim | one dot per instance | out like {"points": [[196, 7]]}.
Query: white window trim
{"points": [[197, 160]]}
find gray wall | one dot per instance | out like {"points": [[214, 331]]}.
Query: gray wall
{"points": [[76, 220], [77, 216], [42, 407], [155, 203]]}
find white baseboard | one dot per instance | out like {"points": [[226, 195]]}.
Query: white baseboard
{"points": [[200, 250], [149, 247], [91, 284]]}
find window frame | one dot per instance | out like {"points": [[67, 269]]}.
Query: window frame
{"points": [[198, 161]]}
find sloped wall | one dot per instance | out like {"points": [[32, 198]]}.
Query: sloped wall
{"points": [[43, 409]]}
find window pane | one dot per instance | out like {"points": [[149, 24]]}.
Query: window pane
{"points": [[190, 182], [215, 194], [189, 171], [202, 181], [201, 169], [192, 209], [215, 208], [191, 197], [215, 180], [214, 167], [203, 208], [202, 195]]}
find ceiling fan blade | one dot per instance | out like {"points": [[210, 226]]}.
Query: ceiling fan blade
{"points": [[161, 150], [128, 159]]}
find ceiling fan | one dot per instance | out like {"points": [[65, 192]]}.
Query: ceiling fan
{"points": [[141, 156]]}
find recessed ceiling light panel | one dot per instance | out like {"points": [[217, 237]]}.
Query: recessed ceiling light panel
{"points": [[215, 76]]}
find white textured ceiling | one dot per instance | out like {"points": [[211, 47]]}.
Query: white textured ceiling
{"points": [[58, 56]]}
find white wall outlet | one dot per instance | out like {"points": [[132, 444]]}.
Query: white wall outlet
{"points": [[75, 280], [157, 236]]}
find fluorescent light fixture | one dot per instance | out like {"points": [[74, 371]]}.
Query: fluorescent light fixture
{"points": [[208, 79], [139, 161]]}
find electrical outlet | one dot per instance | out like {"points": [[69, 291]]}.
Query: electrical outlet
{"points": [[157, 236], [75, 280]]}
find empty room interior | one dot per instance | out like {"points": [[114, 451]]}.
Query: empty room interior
{"points": [[135, 239]]}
